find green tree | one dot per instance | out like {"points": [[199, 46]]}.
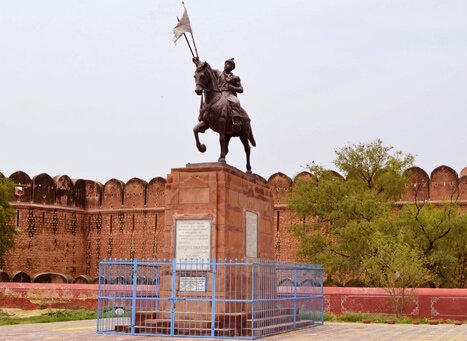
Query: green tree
{"points": [[7, 229], [338, 216], [440, 232], [396, 266]]}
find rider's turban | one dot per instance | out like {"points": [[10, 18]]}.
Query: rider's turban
{"points": [[231, 61]]}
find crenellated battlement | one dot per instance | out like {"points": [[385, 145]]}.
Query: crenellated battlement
{"points": [[442, 184], [62, 191], [68, 225]]}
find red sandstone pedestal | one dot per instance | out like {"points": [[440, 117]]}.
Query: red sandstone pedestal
{"points": [[238, 209], [227, 197]]}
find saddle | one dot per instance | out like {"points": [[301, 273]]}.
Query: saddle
{"points": [[237, 115]]}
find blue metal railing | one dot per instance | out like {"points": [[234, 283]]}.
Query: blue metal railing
{"points": [[208, 298]]}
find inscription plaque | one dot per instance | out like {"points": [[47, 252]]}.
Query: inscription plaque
{"points": [[251, 234], [193, 243], [192, 283]]}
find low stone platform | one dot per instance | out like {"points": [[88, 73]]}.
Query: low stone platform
{"points": [[230, 325]]}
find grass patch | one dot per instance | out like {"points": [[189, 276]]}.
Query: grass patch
{"points": [[330, 317], [310, 315], [374, 318], [358, 317], [50, 316]]}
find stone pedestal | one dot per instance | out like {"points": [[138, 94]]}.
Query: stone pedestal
{"points": [[213, 210], [238, 206]]}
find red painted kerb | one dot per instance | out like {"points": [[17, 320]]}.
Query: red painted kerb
{"points": [[44, 295], [427, 302]]}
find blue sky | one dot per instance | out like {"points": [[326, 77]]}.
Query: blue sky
{"points": [[96, 89]]}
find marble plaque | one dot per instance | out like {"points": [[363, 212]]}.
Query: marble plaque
{"points": [[251, 231], [197, 283], [193, 243]]}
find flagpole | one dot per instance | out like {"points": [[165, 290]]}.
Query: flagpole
{"points": [[189, 46], [194, 44]]}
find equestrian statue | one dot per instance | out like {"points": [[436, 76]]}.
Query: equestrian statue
{"points": [[220, 108]]}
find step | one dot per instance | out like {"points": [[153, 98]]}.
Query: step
{"points": [[278, 328], [222, 332], [142, 316], [122, 328], [221, 321], [184, 331], [271, 320], [179, 323], [270, 312]]}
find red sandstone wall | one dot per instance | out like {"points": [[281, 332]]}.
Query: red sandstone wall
{"points": [[48, 240], [39, 296], [67, 225], [49, 219], [428, 303], [122, 234]]}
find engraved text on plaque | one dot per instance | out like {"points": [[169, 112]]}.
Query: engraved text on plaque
{"points": [[193, 243]]}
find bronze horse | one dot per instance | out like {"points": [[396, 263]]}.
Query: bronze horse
{"points": [[216, 113]]}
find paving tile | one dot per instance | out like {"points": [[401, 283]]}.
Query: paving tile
{"points": [[86, 330]]}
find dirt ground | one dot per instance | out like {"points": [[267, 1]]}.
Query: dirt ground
{"points": [[18, 313]]}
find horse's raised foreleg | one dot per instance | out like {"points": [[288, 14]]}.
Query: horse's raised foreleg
{"points": [[200, 128]]}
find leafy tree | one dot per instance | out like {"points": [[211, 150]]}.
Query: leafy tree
{"points": [[379, 167], [342, 221], [440, 232], [7, 230], [396, 266], [338, 217]]}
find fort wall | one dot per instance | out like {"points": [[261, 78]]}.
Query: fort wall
{"points": [[68, 225]]}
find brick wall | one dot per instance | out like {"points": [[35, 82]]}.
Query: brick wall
{"points": [[67, 226]]}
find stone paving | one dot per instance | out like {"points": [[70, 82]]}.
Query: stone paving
{"points": [[86, 330]]}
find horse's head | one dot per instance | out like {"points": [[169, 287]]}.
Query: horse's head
{"points": [[204, 78]]}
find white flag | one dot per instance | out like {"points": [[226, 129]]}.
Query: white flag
{"points": [[182, 26]]}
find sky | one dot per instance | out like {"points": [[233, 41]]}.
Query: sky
{"points": [[96, 89]]}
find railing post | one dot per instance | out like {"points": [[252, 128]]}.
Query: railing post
{"points": [[174, 284], [252, 299], [295, 284], [213, 296], [322, 294], [158, 286], [133, 296], [99, 294]]}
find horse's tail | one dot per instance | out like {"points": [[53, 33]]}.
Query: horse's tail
{"points": [[251, 138]]}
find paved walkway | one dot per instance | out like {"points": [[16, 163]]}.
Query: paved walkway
{"points": [[86, 330]]}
